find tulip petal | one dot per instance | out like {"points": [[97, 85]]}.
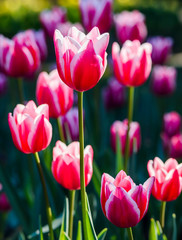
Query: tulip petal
{"points": [[124, 181], [170, 164]]}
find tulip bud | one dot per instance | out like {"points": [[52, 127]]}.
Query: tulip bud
{"points": [[163, 80], [114, 94], [3, 83], [161, 48], [121, 128], [168, 178], [66, 164], [130, 26], [171, 123], [4, 203], [175, 146]]}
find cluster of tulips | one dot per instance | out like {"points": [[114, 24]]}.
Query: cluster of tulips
{"points": [[81, 62]]}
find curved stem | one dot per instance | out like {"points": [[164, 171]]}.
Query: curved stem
{"points": [[60, 128], [130, 116], [130, 233], [48, 208], [162, 213], [82, 173], [20, 89], [71, 212]]}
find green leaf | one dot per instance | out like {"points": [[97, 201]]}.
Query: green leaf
{"points": [[65, 223], [102, 234], [96, 178], [119, 157], [174, 236], [79, 231], [153, 230], [40, 229]]}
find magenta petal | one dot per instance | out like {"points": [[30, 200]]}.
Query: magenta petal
{"points": [[121, 209]]}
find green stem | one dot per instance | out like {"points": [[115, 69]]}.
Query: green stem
{"points": [[60, 128], [48, 208], [130, 116], [71, 212], [20, 90], [162, 213], [82, 173], [130, 233]]}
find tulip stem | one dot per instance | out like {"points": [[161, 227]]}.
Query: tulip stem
{"points": [[130, 233], [20, 90], [162, 213], [48, 208], [60, 128], [130, 116], [82, 173], [71, 212]]}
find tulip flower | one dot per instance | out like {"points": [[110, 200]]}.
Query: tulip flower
{"points": [[168, 178], [51, 90], [132, 64], [66, 164], [41, 43], [161, 48], [130, 26], [163, 80], [30, 127], [3, 83], [114, 94], [51, 18], [171, 123], [123, 202], [96, 13], [64, 27], [81, 59], [4, 203], [175, 146], [121, 128]]}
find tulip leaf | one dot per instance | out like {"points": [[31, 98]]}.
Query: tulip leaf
{"points": [[102, 234], [79, 231], [174, 236], [119, 157], [40, 229], [96, 178], [153, 230], [65, 223]]}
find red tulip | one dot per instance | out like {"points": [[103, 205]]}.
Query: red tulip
{"points": [[123, 202], [163, 80], [65, 27], [41, 43], [161, 48], [51, 90], [96, 13], [4, 203], [3, 83], [132, 64], [66, 164], [171, 123], [81, 59], [114, 94], [168, 178], [30, 127], [51, 18], [120, 128], [130, 26]]}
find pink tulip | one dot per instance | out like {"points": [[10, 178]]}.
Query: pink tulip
{"points": [[41, 43], [51, 90], [175, 146], [161, 48], [4, 203], [168, 178], [66, 164], [3, 83], [96, 13], [132, 64], [130, 26], [30, 127], [64, 27], [51, 18], [81, 59], [123, 202], [114, 94], [163, 80], [120, 128], [171, 123]]}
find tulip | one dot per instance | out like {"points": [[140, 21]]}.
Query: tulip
{"points": [[130, 26], [171, 123], [132, 64], [163, 80], [41, 43], [51, 90], [81, 59], [66, 164], [175, 146], [121, 128], [4, 203], [30, 127], [114, 94], [64, 27], [51, 18], [71, 124], [161, 48], [168, 178], [96, 13], [3, 83], [123, 202]]}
